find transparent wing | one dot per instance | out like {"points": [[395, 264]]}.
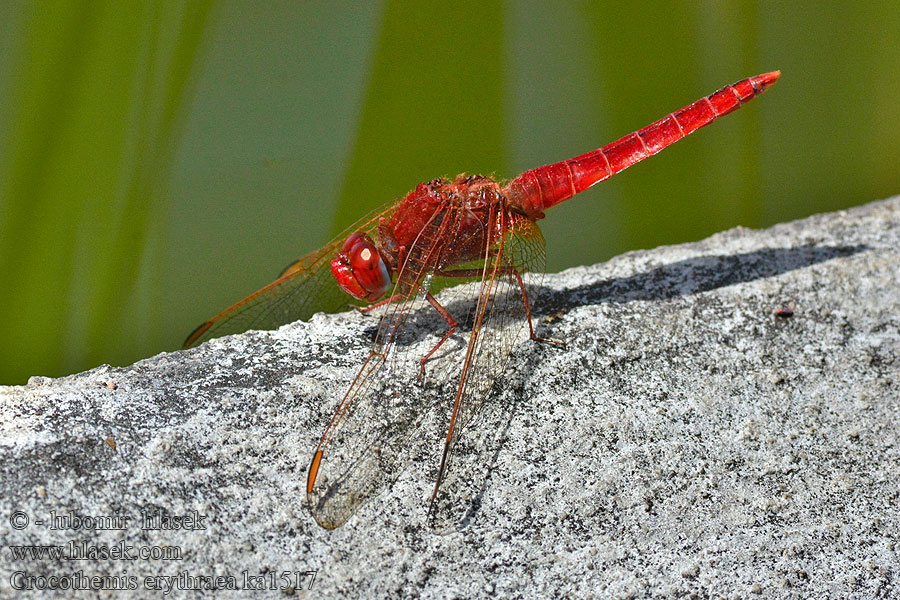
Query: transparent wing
{"points": [[374, 431], [303, 289], [499, 320], [368, 439], [514, 272]]}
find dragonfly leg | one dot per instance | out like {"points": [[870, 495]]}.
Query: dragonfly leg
{"points": [[559, 343], [367, 309], [507, 271], [450, 321], [440, 475]]}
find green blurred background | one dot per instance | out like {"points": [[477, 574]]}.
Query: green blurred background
{"points": [[159, 161]]}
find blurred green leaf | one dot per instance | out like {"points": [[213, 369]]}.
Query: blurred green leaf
{"points": [[93, 97], [436, 92]]}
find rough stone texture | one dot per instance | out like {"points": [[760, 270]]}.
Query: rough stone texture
{"points": [[689, 441]]}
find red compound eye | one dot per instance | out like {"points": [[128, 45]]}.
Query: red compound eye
{"points": [[360, 270], [355, 239], [364, 256], [370, 270]]}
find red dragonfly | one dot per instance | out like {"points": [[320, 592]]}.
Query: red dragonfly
{"points": [[471, 230]]}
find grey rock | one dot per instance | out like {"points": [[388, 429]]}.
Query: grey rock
{"points": [[724, 422]]}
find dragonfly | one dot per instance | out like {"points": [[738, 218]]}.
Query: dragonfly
{"points": [[467, 252]]}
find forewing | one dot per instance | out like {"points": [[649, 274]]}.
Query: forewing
{"points": [[303, 289], [498, 323], [373, 433], [500, 316]]}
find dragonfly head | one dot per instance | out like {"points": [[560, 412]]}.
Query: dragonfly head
{"points": [[360, 269]]}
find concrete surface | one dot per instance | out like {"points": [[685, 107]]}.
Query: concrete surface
{"points": [[724, 423]]}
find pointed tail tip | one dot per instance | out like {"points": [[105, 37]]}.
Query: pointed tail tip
{"points": [[767, 79]]}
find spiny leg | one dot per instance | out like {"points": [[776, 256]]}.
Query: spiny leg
{"points": [[450, 321], [559, 343], [507, 271], [437, 305], [367, 309]]}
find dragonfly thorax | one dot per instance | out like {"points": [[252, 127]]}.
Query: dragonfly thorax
{"points": [[360, 269]]}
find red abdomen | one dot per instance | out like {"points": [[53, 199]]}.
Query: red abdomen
{"points": [[536, 190]]}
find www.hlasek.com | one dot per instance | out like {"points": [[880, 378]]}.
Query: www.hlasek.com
{"points": [[81, 550]]}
